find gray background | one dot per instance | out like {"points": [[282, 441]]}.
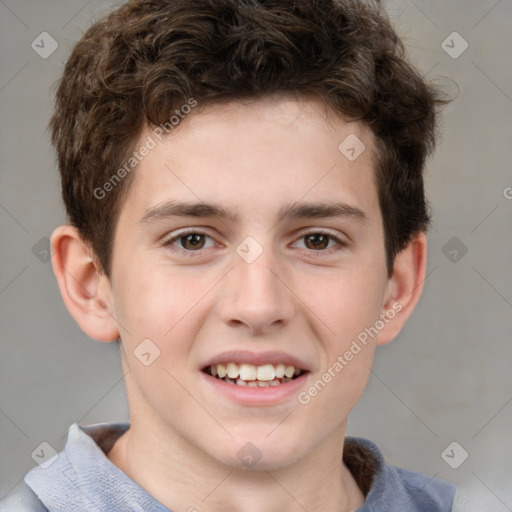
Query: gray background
{"points": [[447, 377]]}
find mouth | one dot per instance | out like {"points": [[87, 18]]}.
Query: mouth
{"points": [[249, 375]]}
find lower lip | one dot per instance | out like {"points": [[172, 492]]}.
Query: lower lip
{"points": [[270, 395]]}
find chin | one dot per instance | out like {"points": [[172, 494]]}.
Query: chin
{"points": [[259, 453]]}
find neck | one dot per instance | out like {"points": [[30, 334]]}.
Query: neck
{"points": [[181, 477]]}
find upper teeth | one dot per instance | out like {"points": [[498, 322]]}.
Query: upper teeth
{"points": [[244, 371]]}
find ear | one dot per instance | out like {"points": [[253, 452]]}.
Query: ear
{"points": [[83, 285], [404, 288]]}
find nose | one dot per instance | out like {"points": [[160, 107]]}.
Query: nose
{"points": [[256, 295]]}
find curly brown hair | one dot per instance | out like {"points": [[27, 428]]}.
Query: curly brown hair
{"points": [[146, 59]]}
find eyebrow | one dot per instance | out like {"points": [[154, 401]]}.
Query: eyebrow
{"points": [[298, 210]]}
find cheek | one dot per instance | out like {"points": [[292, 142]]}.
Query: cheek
{"points": [[153, 303], [158, 308], [347, 306], [167, 307], [345, 302]]}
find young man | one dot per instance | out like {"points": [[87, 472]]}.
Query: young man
{"points": [[244, 185]]}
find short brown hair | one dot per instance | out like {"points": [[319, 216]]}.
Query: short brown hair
{"points": [[143, 61]]}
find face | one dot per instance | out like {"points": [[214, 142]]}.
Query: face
{"points": [[260, 279]]}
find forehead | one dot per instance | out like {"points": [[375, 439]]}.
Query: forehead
{"points": [[258, 156]]}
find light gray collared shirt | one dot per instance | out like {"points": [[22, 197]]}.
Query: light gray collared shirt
{"points": [[82, 478]]}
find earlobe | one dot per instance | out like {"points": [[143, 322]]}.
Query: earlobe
{"points": [[404, 288], [84, 287]]}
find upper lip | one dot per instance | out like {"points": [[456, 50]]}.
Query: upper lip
{"points": [[257, 359]]}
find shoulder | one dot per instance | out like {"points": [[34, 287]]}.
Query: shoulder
{"points": [[22, 499], [390, 488], [424, 492]]}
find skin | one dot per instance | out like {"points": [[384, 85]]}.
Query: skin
{"points": [[307, 301]]}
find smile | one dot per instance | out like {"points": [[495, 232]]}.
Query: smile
{"points": [[249, 375]]}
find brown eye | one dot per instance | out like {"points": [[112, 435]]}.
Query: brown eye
{"points": [[320, 242], [192, 241], [317, 241], [189, 243]]}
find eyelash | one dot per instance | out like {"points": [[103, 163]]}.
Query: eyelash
{"points": [[189, 253]]}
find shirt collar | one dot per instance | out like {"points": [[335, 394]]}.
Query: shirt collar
{"points": [[81, 477]]}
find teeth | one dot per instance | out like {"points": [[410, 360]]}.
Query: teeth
{"points": [[266, 372], [233, 370], [248, 372], [280, 368], [290, 370], [251, 375], [221, 370]]}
